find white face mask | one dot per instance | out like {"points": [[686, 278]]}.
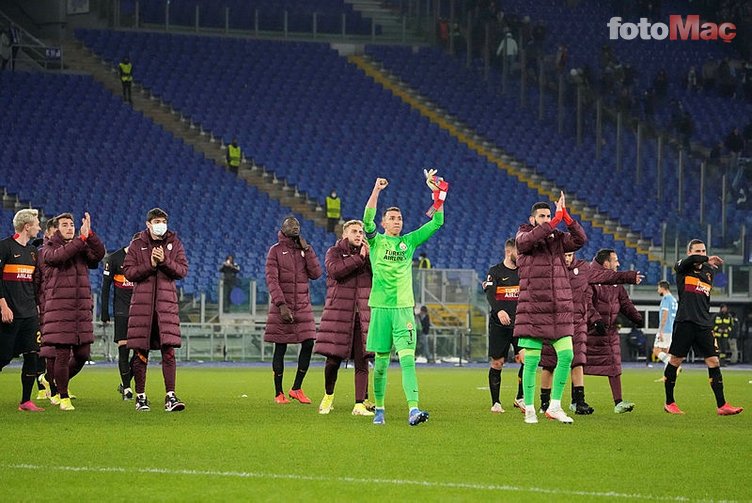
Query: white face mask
{"points": [[159, 229]]}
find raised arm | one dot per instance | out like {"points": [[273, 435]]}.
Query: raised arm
{"points": [[686, 264], [369, 215]]}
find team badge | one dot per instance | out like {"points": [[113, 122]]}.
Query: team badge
{"points": [[707, 275], [302, 253], [576, 271], [34, 256], [409, 326], [402, 246], [169, 246]]}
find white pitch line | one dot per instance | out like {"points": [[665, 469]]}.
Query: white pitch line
{"points": [[351, 480]]}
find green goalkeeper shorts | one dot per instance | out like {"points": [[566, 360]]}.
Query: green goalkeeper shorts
{"points": [[391, 327]]}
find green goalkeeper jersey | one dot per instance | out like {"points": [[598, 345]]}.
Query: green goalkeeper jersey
{"points": [[392, 261]]}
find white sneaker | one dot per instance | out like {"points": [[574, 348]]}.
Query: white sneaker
{"points": [[559, 415], [519, 403], [421, 359], [497, 408], [530, 416]]}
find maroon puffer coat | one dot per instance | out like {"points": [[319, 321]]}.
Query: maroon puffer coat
{"points": [[288, 270], [154, 292], [67, 292], [604, 352], [581, 276], [544, 308], [45, 351], [348, 284]]}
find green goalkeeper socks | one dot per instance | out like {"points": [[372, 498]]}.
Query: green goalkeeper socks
{"points": [[532, 359], [380, 366], [564, 355], [409, 377]]}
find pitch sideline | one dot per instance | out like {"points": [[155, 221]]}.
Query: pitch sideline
{"points": [[349, 480]]}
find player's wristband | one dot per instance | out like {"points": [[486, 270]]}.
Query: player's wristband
{"points": [[567, 219], [557, 219]]}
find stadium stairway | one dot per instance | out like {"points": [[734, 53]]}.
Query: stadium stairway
{"points": [[485, 149], [79, 58]]}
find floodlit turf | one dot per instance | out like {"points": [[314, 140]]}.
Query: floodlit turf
{"points": [[227, 447]]}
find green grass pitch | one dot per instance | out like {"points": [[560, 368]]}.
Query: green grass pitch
{"points": [[226, 447]]}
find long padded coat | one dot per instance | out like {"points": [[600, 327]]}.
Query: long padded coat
{"points": [[604, 351], [544, 307], [288, 270], [154, 291], [581, 276], [348, 285], [68, 304]]}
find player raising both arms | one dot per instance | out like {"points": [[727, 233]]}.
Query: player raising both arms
{"points": [[391, 299]]}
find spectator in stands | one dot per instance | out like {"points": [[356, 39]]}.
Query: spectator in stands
{"points": [[726, 79], [234, 156], [692, 79], [125, 70], [155, 260], [229, 272], [67, 298], [290, 264], [733, 340], [716, 152], [562, 58], [333, 211], [660, 84], [422, 350], [344, 322], [423, 261], [442, 32], [507, 50], [625, 101], [735, 145], [5, 52], [747, 81], [709, 74]]}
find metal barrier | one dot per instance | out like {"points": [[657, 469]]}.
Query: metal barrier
{"points": [[32, 49]]}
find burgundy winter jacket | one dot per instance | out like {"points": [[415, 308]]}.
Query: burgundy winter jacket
{"points": [[604, 351], [544, 308], [67, 292], [581, 276], [288, 270], [45, 351], [154, 291], [348, 285]]}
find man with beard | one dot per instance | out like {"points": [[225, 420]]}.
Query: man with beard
{"points": [[67, 298], [545, 311], [604, 346], [693, 327], [581, 276]]}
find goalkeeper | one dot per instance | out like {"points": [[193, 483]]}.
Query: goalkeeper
{"points": [[391, 299]]}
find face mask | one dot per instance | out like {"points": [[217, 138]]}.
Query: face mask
{"points": [[159, 229]]}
